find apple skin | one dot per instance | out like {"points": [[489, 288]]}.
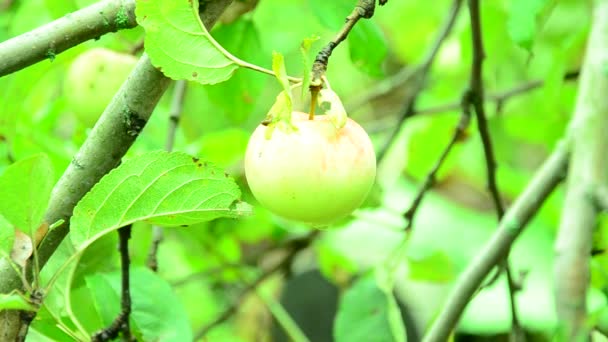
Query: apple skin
{"points": [[316, 175], [92, 80]]}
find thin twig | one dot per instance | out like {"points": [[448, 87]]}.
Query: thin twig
{"points": [[550, 174], [121, 323], [500, 98], [179, 94], [292, 248], [363, 9], [459, 133], [475, 98], [418, 78]]}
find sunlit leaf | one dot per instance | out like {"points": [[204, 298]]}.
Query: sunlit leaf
{"points": [[14, 302], [7, 236], [431, 267], [179, 44], [306, 61], [163, 188]]}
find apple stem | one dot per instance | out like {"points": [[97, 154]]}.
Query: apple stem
{"points": [[314, 92]]}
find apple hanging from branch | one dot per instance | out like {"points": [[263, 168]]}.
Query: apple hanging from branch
{"points": [[313, 169]]}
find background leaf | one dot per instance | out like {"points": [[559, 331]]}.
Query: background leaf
{"points": [[157, 313], [26, 188], [367, 47], [524, 19], [163, 188], [364, 313], [179, 45], [7, 236], [13, 302]]}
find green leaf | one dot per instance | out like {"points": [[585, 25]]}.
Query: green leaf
{"points": [[334, 265], [239, 95], [525, 18], [331, 14], [278, 66], [157, 313], [306, 61], [14, 302], [26, 188], [162, 188], [283, 105], [365, 314], [179, 44], [434, 267], [367, 47], [7, 236], [224, 148]]}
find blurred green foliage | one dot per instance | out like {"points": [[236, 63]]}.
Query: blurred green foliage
{"points": [[205, 264]]}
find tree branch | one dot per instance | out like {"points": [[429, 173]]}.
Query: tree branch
{"points": [[429, 181], [588, 171], [475, 97], [47, 41], [494, 251], [363, 9], [121, 323], [114, 133]]}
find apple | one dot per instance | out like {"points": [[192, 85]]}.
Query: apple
{"points": [[92, 80], [315, 173]]}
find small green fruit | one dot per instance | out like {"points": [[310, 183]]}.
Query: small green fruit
{"points": [[316, 174], [92, 80]]}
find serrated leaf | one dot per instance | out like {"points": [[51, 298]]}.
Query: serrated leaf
{"points": [[7, 236], [156, 313], [179, 44], [14, 302], [167, 189], [524, 19], [366, 310], [26, 188], [305, 49]]}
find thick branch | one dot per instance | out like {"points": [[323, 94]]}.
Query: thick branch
{"points": [[588, 171], [53, 38], [495, 250], [114, 133]]}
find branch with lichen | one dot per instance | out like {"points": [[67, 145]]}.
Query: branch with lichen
{"points": [[47, 41]]}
